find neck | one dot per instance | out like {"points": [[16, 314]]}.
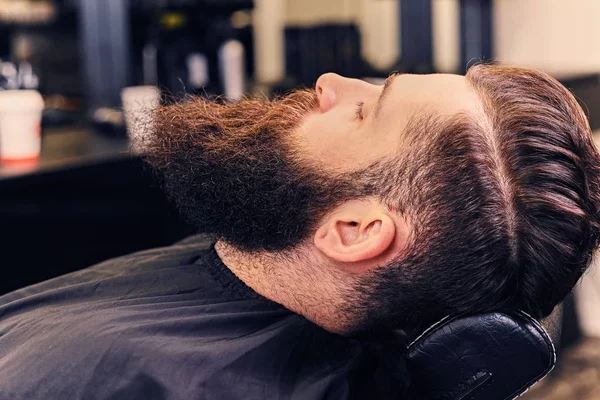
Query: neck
{"points": [[298, 280]]}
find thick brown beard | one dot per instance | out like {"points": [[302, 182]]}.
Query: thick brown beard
{"points": [[233, 171]]}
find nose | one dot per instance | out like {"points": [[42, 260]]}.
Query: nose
{"points": [[333, 89], [325, 88]]}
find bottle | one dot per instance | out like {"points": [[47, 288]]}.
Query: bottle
{"points": [[232, 69]]}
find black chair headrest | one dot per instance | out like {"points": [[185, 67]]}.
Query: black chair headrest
{"points": [[495, 356]]}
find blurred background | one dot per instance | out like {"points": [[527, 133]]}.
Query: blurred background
{"points": [[76, 76]]}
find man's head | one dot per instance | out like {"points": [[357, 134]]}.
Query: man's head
{"points": [[433, 195]]}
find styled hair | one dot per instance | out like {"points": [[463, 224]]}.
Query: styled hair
{"points": [[504, 205]]}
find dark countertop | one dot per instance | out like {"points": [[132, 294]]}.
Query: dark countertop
{"points": [[69, 147], [87, 200]]}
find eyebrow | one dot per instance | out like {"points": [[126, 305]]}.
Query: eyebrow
{"points": [[384, 93]]}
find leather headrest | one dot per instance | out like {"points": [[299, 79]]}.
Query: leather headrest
{"points": [[495, 356]]}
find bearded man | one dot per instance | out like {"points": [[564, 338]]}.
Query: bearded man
{"points": [[334, 216]]}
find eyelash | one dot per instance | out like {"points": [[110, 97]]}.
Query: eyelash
{"points": [[359, 110]]}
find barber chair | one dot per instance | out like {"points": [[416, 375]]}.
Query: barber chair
{"points": [[495, 356]]}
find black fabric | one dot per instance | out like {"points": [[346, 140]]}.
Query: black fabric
{"points": [[175, 323]]}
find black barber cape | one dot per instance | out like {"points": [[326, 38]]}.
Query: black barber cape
{"points": [[175, 323]]}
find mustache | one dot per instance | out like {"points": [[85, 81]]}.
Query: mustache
{"points": [[222, 127], [296, 103]]}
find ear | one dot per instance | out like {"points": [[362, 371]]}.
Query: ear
{"points": [[361, 231]]}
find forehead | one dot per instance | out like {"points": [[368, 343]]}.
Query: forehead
{"points": [[440, 94]]}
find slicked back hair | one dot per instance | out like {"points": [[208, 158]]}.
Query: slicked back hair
{"points": [[504, 205]]}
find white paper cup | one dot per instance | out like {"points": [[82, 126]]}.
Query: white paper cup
{"points": [[20, 126], [139, 105]]}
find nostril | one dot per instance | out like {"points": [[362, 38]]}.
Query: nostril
{"points": [[325, 93]]}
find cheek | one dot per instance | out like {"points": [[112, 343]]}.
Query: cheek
{"points": [[328, 141]]}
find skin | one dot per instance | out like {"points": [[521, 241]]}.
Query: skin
{"points": [[354, 126]]}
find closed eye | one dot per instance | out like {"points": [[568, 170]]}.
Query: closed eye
{"points": [[359, 110]]}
